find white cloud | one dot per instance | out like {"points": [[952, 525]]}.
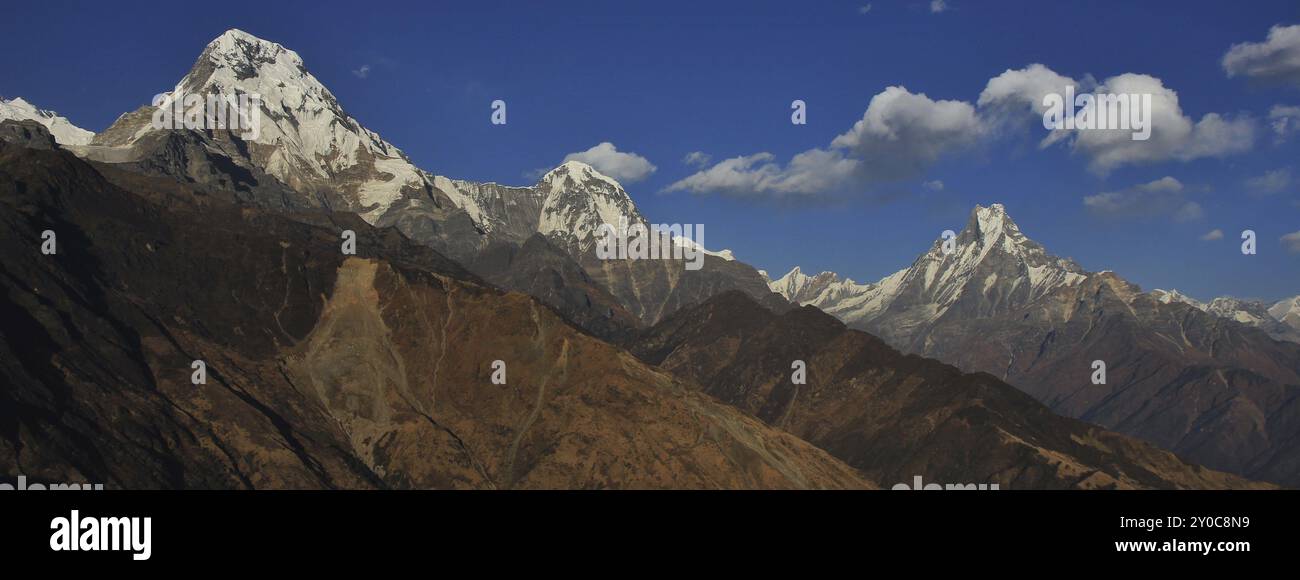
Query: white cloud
{"points": [[1277, 59], [1015, 88], [697, 159], [809, 173], [362, 72], [1285, 121], [865, 8], [935, 185], [1174, 136], [1292, 242], [903, 133], [900, 135], [1275, 181], [625, 167], [1213, 235], [937, 6], [1162, 197]]}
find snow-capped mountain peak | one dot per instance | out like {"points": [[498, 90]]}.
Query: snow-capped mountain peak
{"points": [[990, 228], [991, 266], [63, 131], [992, 220], [574, 173], [801, 288], [1174, 296], [1287, 312], [1250, 312], [992, 251], [578, 200], [1286, 308], [302, 136]]}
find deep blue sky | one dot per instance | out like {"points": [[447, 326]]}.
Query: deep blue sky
{"points": [[665, 78]]}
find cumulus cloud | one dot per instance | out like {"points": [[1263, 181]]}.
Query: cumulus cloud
{"points": [[1275, 181], [1276, 60], [1292, 242], [900, 135], [1015, 88], [1213, 235], [362, 72], [1163, 197], [1174, 135], [1285, 121], [809, 173], [625, 167], [903, 134], [697, 159], [937, 6]]}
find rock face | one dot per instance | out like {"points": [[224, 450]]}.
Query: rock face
{"points": [[897, 416], [322, 369], [26, 134], [1207, 381], [540, 269]]}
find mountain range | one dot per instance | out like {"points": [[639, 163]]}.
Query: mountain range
{"points": [[372, 370], [1217, 382]]}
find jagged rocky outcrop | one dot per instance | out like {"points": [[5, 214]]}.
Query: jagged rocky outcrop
{"points": [[27, 134]]}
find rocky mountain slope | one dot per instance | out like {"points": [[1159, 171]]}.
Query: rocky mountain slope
{"points": [[323, 369], [898, 416]]}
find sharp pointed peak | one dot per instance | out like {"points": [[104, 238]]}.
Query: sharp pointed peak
{"points": [[235, 35], [989, 221], [1173, 295], [235, 47], [994, 212]]}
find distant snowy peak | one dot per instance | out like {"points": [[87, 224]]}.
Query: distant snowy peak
{"points": [[1287, 312], [822, 289], [63, 131], [995, 255], [1251, 312], [1176, 297], [1281, 319], [990, 231], [791, 285], [578, 200], [990, 266]]}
